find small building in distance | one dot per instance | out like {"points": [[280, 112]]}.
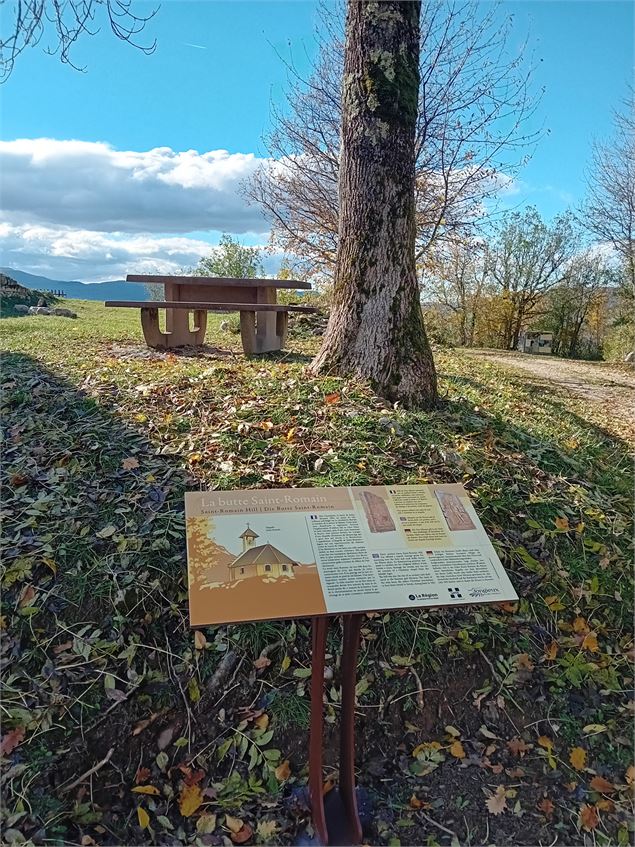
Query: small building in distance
{"points": [[535, 341], [263, 560]]}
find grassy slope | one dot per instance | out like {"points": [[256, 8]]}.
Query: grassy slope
{"points": [[94, 601]]}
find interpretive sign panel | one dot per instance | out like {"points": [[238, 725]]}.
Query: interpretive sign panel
{"points": [[300, 552]]}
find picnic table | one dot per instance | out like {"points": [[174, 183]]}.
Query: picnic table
{"points": [[263, 321]]}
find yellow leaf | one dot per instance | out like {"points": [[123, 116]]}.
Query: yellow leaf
{"points": [[290, 434], [554, 604], [193, 690], [285, 663], [545, 742], [456, 750], [233, 824], [144, 817], [453, 731], [283, 771], [206, 824], [590, 643], [190, 799], [199, 640], [551, 652], [580, 625], [262, 721], [593, 728], [145, 789], [629, 776], [577, 757], [562, 523]]}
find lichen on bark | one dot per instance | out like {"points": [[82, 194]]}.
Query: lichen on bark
{"points": [[376, 328]]}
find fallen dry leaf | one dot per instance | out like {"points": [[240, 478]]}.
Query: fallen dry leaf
{"points": [[551, 652], [546, 807], [456, 750], [206, 824], [546, 742], [11, 740], [143, 816], [142, 775], [130, 463], [629, 776], [243, 834], [497, 803], [562, 523], [190, 799], [577, 757], [589, 817], [262, 721], [283, 771], [262, 662], [27, 595], [199, 640], [329, 399], [590, 643], [233, 824], [518, 746], [145, 789], [603, 786]]}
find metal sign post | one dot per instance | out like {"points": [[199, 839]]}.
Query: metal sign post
{"points": [[335, 816]]}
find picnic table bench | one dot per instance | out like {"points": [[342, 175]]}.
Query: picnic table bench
{"points": [[263, 321]]}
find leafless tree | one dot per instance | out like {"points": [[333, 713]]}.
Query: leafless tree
{"points": [[65, 21], [527, 258], [610, 209], [475, 101]]}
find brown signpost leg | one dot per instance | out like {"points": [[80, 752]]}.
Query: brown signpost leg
{"points": [[335, 817]]}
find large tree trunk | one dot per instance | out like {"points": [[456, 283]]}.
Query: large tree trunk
{"points": [[376, 327]]}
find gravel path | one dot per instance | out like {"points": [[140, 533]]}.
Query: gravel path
{"points": [[601, 383]]}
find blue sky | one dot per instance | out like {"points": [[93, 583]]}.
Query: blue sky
{"points": [[209, 87]]}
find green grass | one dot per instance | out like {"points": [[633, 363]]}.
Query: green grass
{"points": [[94, 592]]}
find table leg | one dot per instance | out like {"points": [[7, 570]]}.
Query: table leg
{"points": [[316, 790], [151, 332]]}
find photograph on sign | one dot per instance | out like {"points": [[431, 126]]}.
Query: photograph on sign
{"points": [[287, 553]]}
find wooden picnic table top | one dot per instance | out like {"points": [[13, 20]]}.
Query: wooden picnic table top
{"points": [[210, 307], [219, 281]]}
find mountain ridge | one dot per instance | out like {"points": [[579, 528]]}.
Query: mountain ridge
{"points": [[114, 289]]}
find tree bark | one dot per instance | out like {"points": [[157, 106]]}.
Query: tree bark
{"points": [[376, 327]]}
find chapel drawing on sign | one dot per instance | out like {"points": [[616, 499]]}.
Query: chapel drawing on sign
{"points": [[257, 569]]}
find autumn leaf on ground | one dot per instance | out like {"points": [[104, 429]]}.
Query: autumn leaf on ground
{"points": [[233, 824], [262, 662], [243, 834], [206, 824], [199, 640], [143, 816], [593, 728], [519, 746], [145, 789], [546, 807], [283, 771], [266, 830], [603, 786], [577, 757], [190, 799], [27, 595], [262, 722], [551, 652], [580, 625], [130, 463], [329, 399], [590, 643], [589, 817], [629, 776], [142, 775], [456, 750], [562, 523], [11, 740], [497, 803]]}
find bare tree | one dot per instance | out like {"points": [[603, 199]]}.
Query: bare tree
{"points": [[455, 280], [375, 328], [471, 137], [526, 258], [610, 209], [66, 21]]}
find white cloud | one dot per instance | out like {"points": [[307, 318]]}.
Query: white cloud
{"points": [[92, 186], [65, 253]]}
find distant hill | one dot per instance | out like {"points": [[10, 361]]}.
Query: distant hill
{"points": [[116, 289]]}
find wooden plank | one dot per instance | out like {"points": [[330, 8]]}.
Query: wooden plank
{"points": [[215, 281], [209, 307]]}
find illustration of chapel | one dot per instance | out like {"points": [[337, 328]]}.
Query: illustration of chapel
{"points": [[264, 560]]}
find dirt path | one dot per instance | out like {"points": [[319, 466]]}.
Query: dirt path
{"points": [[601, 383]]}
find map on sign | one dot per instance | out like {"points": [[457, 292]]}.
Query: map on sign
{"points": [[289, 553]]}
